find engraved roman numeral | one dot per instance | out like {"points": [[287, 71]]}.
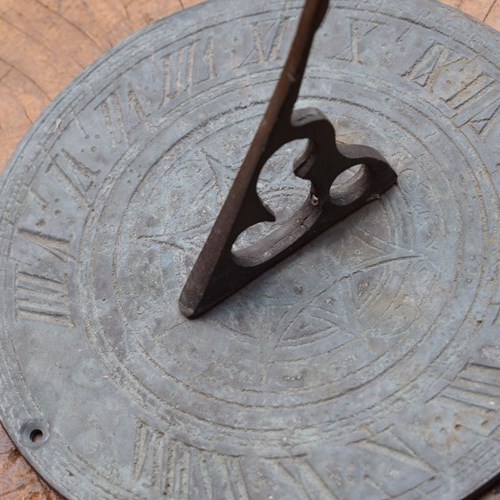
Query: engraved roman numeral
{"points": [[114, 119], [58, 247], [359, 30], [479, 92], [76, 177], [477, 385], [42, 298], [429, 66], [150, 458], [478, 104], [483, 121], [176, 470], [122, 112], [472, 92], [187, 67], [268, 38]]}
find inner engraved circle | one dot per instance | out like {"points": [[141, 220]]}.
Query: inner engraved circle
{"points": [[164, 270]]}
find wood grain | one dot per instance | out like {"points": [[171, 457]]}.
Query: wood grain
{"points": [[477, 9], [44, 46]]}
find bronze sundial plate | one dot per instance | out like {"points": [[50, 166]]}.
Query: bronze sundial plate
{"points": [[365, 366]]}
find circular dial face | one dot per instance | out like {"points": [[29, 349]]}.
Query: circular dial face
{"points": [[367, 365]]}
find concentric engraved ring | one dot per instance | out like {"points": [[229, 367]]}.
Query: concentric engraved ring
{"points": [[366, 363], [153, 254]]}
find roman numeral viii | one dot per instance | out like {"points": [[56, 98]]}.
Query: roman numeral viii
{"points": [[41, 298], [41, 290]]}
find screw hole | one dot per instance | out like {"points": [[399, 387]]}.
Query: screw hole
{"points": [[35, 433], [36, 436]]}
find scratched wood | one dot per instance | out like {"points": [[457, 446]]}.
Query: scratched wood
{"points": [[44, 45], [487, 11]]}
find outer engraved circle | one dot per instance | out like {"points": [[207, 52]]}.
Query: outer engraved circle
{"points": [[155, 259], [311, 409]]}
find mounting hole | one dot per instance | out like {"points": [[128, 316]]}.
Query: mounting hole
{"points": [[350, 185], [34, 433]]}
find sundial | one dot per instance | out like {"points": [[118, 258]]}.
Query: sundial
{"points": [[365, 364]]}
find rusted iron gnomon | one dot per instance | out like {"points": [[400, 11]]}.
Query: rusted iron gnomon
{"points": [[219, 271]]}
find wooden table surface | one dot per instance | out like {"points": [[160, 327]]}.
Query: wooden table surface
{"points": [[44, 45]]}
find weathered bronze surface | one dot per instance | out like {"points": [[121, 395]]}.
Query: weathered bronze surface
{"points": [[366, 365], [218, 272]]}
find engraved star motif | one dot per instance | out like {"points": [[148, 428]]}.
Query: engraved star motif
{"points": [[194, 219], [332, 306]]}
